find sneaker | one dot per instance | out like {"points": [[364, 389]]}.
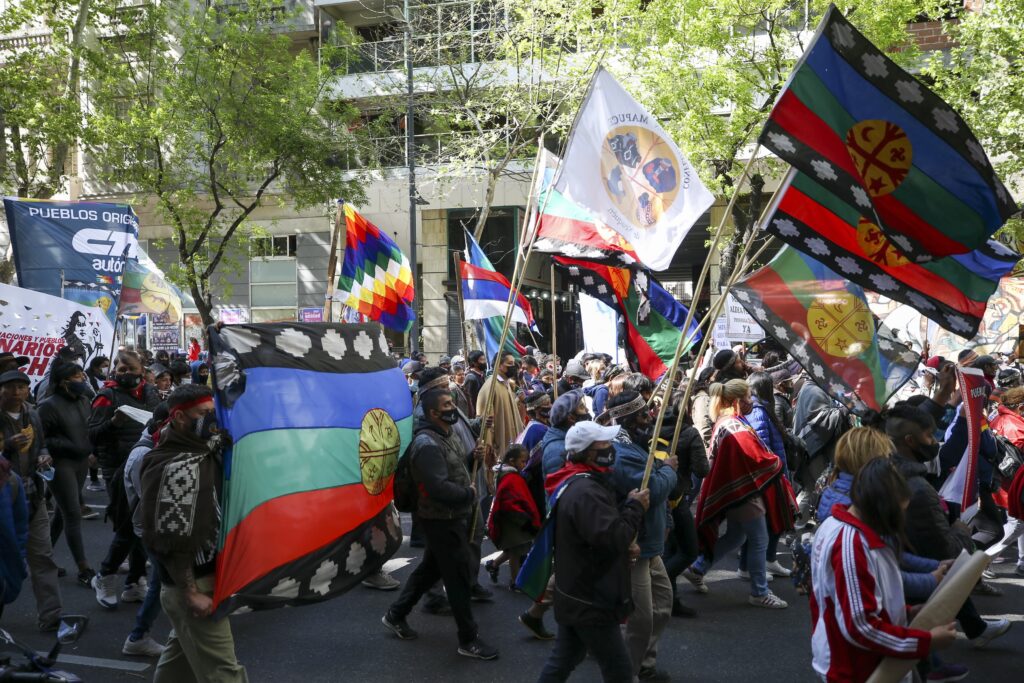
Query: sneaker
{"points": [[985, 588], [48, 626], [776, 569], [1019, 571], [478, 593], [697, 580], [134, 592], [143, 647], [652, 675], [106, 590], [988, 574], [744, 574], [89, 513], [993, 629], [769, 601], [85, 577], [382, 581], [437, 605], [95, 486], [492, 570], [400, 627], [947, 673], [681, 610], [535, 626], [478, 649]]}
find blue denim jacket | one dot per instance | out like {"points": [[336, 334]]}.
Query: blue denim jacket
{"points": [[627, 474]]}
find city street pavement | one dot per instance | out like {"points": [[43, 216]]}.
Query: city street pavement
{"points": [[343, 639]]}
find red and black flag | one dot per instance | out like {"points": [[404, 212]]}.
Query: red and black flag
{"points": [[878, 138], [953, 290]]}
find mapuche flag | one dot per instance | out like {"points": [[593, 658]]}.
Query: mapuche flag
{"points": [[882, 141], [953, 290], [318, 414], [376, 279], [823, 321], [623, 168], [654, 319]]}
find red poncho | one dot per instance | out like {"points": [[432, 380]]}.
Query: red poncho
{"points": [[742, 467], [512, 496]]}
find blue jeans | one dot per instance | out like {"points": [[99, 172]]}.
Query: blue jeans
{"points": [[604, 643], [771, 554], [150, 608], [755, 534]]}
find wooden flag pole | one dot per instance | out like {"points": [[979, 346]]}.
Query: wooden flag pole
{"points": [[332, 262], [554, 329], [689, 315]]}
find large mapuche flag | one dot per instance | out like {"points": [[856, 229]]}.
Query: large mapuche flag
{"points": [[376, 279], [953, 290], [145, 289], [623, 168], [824, 322], [318, 414], [882, 141]]}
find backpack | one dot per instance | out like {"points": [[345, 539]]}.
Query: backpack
{"points": [[1008, 457], [405, 490]]}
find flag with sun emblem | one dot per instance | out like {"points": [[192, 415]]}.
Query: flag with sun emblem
{"points": [[953, 290], [883, 142], [823, 321], [318, 414]]}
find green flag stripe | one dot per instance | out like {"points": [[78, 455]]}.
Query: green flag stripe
{"points": [[918, 191], [261, 470]]}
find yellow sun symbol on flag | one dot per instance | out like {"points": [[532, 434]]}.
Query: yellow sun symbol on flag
{"points": [[840, 323]]}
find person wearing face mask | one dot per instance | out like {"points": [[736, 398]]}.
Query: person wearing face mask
{"points": [[97, 371], [412, 371], [927, 526], [445, 504], [200, 647], [65, 356], [567, 410], [475, 371], [651, 589], [503, 406], [65, 419], [747, 488], [113, 435], [593, 547], [538, 408]]}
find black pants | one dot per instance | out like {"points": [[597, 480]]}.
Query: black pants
{"points": [[970, 621], [603, 643], [681, 545], [446, 558], [125, 545]]}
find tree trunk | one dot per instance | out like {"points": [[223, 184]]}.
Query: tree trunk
{"points": [[744, 216]]}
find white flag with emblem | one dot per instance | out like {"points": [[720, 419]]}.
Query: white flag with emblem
{"points": [[622, 167]]}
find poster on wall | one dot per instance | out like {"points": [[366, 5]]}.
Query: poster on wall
{"points": [[233, 315], [193, 329], [38, 325], [311, 315], [164, 334]]}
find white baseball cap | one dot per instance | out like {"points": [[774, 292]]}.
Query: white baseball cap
{"points": [[582, 434]]}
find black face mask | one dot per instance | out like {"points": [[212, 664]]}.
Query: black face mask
{"points": [[926, 452], [129, 381], [205, 427], [604, 457], [511, 372], [449, 416], [77, 389]]}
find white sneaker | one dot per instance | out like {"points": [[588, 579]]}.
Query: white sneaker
{"points": [[1019, 571], [776, 569], [993, 629], [769, 601], [382, 581], [744, 574], [697, 580], [106, 590], [143, 647], [134, 592]]}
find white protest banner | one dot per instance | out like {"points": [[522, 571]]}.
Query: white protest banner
{"points": [[736, 326], [38, 325]]}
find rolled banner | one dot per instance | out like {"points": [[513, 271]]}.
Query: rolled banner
{"points": [[941, 608]]}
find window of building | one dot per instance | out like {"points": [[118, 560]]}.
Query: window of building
{"points": [[273, 284], [498, 241], [272, 246]]}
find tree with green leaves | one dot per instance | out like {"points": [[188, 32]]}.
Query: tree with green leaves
{"points": [[209, 112], [982, 76]]}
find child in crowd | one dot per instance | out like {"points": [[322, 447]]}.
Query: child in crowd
{"points": [[514, 519]]}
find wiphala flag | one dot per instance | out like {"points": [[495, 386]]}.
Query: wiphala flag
{"points": [[953, 290], [882, 141], [318, 415], [823, 321]]}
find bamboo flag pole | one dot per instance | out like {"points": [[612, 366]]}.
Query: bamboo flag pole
{"points": [[554, 330], [744, 265], [689, 316], [332, 262]]}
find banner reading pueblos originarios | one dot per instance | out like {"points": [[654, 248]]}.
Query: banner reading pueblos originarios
{"points": [[88, 241], [39, 325]]}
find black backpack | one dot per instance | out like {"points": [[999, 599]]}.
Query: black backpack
{"points": [[406, 493], [1008, 457]]}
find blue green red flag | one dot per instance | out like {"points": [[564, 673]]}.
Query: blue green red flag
{"points": [[877, 137]]}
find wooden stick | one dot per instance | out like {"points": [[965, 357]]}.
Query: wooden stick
{"points": [[689, 316], [332, 263]]}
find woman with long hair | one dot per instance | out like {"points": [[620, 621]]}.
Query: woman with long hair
{"points": [[747, 488], [858, 605]]}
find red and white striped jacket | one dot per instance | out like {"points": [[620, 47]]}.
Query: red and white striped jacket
{"points": [[858, 613]]}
